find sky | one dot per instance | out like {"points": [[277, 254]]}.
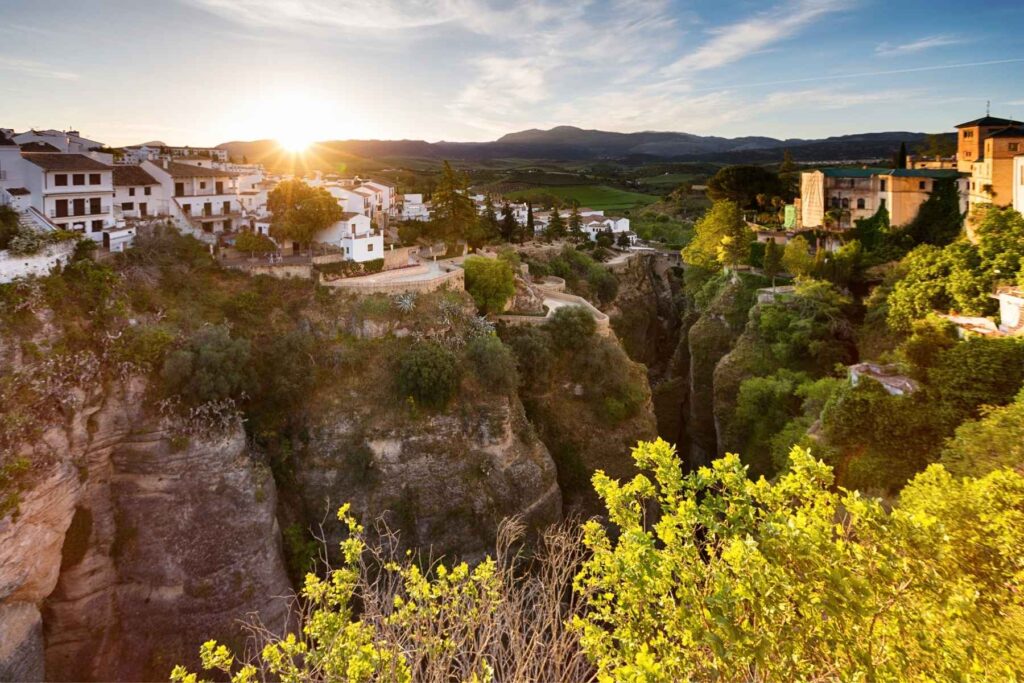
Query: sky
{"points": [[202, 72]]}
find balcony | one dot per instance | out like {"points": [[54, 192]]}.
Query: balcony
{"points": [[71, 213]]}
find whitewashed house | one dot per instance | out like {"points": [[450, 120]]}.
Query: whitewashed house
{"points": [[137, 194], [202, 201], [413, 208], [66, 141], [355, 236]]}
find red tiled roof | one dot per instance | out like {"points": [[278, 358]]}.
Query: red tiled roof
{"points": [[17, 191]]}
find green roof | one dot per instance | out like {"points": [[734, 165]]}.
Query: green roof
{"points": [[855, 172], [927, 173]]}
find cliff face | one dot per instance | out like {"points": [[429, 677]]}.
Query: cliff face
{"points": [[443, 481], [649, 318], [134, 546]]}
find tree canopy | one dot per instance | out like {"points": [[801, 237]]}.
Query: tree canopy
{"points": [[300, 212], [742, 185], [721, 237], [453, 209], [491, 283]]}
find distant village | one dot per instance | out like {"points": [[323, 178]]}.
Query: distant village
{"points": [[61, 182]]}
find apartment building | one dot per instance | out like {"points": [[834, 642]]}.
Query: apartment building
{"points": [[203, 201], [137, 194]]}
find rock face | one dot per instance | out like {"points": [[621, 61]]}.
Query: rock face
{"points": [[648, 316], [445, 480], [136, 545]]}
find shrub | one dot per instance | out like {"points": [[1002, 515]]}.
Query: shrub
{"points": [[532, 347], [211, 367], [491, 283], [493, 362], [571, 327], [428, 373]]}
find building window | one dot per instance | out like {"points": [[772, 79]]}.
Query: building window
{"points": [[882, 184], [78, 179], [78, 207], [94, 206], [202, 185], [62, 207], [967, 155], [968, 133], [860, 203], [131, 191], [1014, 146], [60, 180], [97, 226], [922, 185], [94, 179], [128, 206], [143, 210], [179, 189], [846, 203], [186, 209], [148, 191]]}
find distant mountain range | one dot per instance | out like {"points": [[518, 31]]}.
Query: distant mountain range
{"points": [[568, 143]]}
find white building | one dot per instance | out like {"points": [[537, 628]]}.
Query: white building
{"points": [[66, 141], [350, 200], [413, 208], [355, 236], [73, 191], [203, 201], [137, 194]]}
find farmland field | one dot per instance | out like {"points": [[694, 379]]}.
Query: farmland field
{"points": [[592, 196]]}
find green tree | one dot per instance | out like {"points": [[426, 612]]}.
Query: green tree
{"points": [[8, 226], [212, 366], [300, 212], [509, 226], [571, 327], [796, 258], [742, 184], [772, 260], [575, 224], [939, 220], [254, 243], [938, 145], [493, 362], [429, 373], [993, 441], [491, 283], [489, 220], [453, 209], [721, 237], [900, 160], [556, 226], [712, 576]]}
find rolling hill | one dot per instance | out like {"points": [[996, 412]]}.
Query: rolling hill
{"points": [[568, 143]]}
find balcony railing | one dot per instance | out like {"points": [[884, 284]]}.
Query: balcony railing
{"points": [[71, 213]]}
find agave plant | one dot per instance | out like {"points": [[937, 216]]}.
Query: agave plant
{"points": [[406, 302]]}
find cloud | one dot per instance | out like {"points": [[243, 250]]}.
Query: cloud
{"points": [[37, 69], [733, 42], [919, 45], [543, 57], [479, 16]]}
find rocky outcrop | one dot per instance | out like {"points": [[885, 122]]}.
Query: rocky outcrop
{"points": [[443, 480], [135, 543]]}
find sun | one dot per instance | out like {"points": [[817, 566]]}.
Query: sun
{"points": [[295, 142]]}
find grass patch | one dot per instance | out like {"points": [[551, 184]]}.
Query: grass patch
{"points": [[592, 196]]}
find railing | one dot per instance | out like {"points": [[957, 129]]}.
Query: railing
{"points": [[53, 213]]}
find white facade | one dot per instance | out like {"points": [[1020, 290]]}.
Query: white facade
{"points": [[413, 208], [355, 236], [72, 191], [349, 200], [202, 201], [69, 141], [137, 194]]}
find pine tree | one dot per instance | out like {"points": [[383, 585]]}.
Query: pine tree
{"points": [[508, 223], [556, 227], [453, 208], [575, 224], [901, 156], [489, 220]]}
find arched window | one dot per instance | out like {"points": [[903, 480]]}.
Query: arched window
{"points": [[860, 203], [846, 203]]}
